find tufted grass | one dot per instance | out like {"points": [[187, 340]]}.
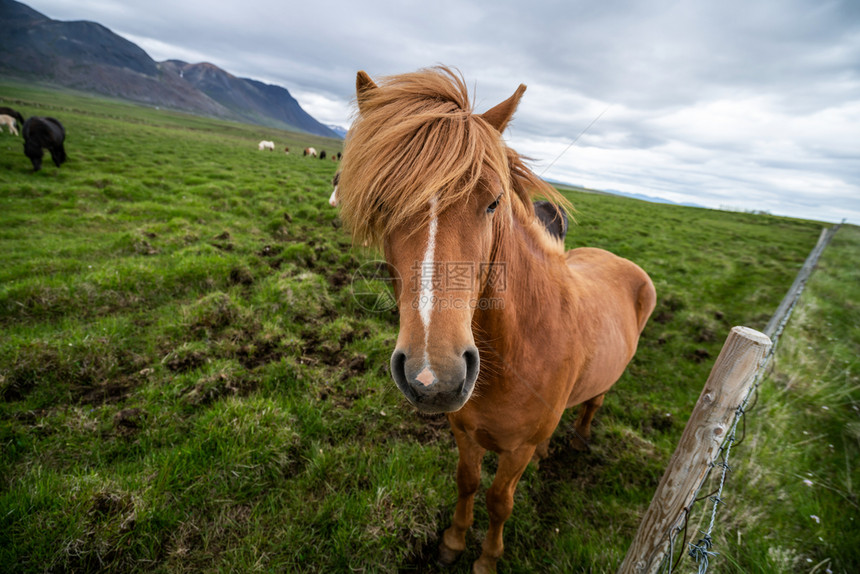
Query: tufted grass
{"points": [[187, 383]]}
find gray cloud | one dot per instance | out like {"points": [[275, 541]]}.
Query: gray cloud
{"points": [[755, 105]]}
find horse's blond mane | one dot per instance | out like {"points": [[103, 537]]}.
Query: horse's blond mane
{"points": [[416, 138]]}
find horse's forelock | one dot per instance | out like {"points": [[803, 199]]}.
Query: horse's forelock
{"points": [[415, 139]]}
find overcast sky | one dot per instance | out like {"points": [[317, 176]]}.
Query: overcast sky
{"points": [[736, 104]]}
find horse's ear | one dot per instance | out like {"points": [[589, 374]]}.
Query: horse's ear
{"points": [[500, 115], [363, 87]]}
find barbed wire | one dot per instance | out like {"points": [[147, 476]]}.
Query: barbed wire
{"points": [[701, 552]]}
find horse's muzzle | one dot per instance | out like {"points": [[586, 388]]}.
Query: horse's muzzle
{"points": [[443, 386]]}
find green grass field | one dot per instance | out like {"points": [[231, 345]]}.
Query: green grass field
{"points": [[188, 384]]}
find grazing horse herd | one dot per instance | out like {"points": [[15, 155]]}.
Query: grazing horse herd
{"points": [[47, 133], [307, 152], [39, 133]]}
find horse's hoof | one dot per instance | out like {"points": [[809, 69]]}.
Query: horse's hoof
{"points": [[579, 445], [447, 557], [482, 566]]}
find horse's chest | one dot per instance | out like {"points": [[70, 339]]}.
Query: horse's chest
{"points": [[509, 431]]}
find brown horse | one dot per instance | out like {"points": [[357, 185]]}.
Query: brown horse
{"points": [[499, 327]]}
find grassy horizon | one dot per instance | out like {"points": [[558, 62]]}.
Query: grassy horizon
{"points": [[187, 382]]}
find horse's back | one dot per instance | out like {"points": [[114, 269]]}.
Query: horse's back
{"points": [[615, 298], [49, 130], [58, 128], [614, 281]]}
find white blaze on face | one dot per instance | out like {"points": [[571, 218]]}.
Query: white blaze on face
{"points": [[425, 300], [425, 303], [333, 199]]}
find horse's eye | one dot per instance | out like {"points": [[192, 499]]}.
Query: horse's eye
{"points": [[492, 207]]}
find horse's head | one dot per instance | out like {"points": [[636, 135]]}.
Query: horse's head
{"points": [[427, 180], [441, 265]]}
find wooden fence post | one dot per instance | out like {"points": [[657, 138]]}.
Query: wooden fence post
{"points": [[729, 381]]}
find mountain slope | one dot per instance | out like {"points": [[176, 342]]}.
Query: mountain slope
{"points": [[253, 101], [89, 57]]}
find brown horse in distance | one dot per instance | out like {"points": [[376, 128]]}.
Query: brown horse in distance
{"points": [[500, 328]]}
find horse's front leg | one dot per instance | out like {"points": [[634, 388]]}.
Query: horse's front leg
{"points": [[500, 504], [468, 481], [582, 426]]}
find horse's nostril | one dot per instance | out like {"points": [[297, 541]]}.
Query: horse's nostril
{"points": [[398, 367], [473, 364]]}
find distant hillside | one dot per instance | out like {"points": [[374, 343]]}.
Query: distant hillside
{"points": [[339, 130], [639, 196], [651, 198], [89, 57]]}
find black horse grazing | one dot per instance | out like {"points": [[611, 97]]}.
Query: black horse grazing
{"points": [[41, 133], [553, 218], [12, 113]]}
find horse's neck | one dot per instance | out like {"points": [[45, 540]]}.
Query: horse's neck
{"points": [[528, 286]]}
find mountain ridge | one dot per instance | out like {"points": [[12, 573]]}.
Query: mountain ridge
{"points": [[89, 57]]}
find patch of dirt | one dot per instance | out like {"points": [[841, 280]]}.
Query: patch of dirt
{"points": [[658, 422], [15, 388], [315, 351], [182, 360], [425, 429], [95, 374], [210, 388], [706, 335], [241, 276], [318, 350], [144, 247], [128, 422], [338, 278], [700, 355], [222, 242], [109, 503], [272, 255], [259, 350], [342, 399], [105, 392], [267, 251], [664, 316], [355, 365], [671, 302], [565, 463], [424, 555]]}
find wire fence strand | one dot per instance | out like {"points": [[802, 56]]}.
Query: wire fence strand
{"points": [[702, 551]]}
